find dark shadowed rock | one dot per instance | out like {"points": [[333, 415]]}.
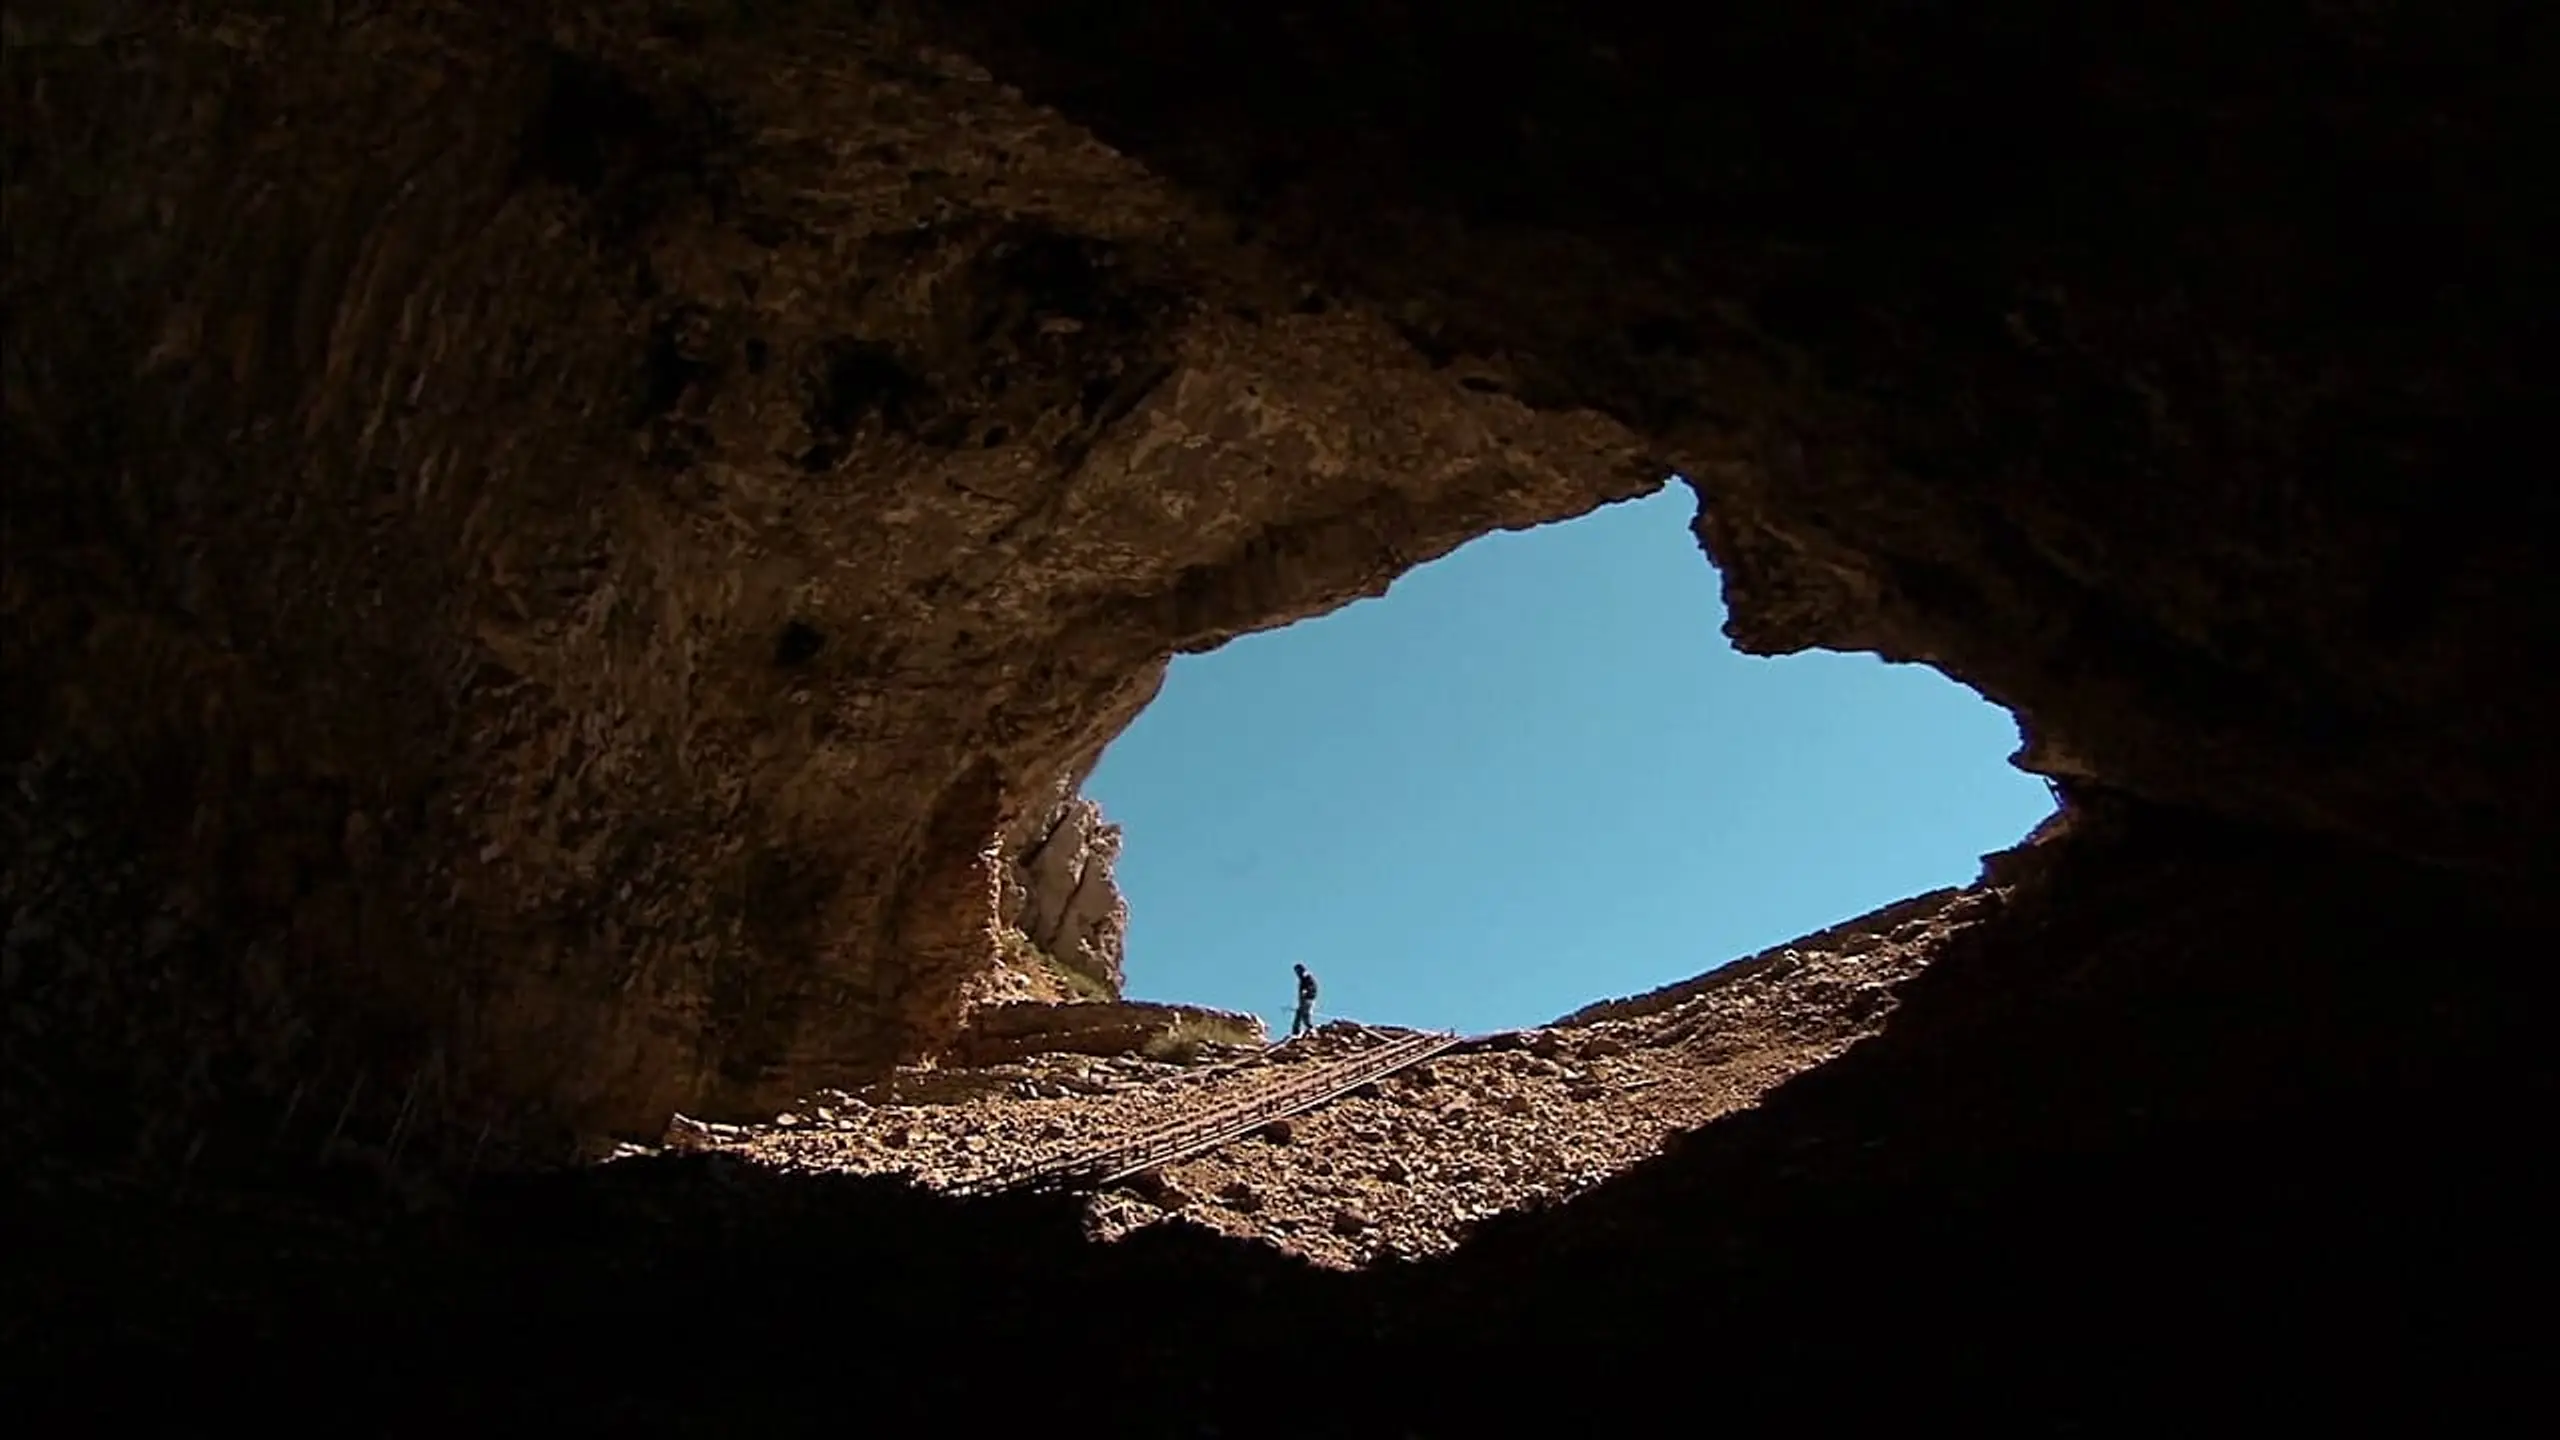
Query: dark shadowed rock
{"points": [[563, 563]]}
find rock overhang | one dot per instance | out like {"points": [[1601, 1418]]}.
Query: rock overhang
{"points": [[690, 533]]}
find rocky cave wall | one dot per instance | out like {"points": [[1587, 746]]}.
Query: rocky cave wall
{"points": [[552, 547], [2164, 371], [548, 542]]}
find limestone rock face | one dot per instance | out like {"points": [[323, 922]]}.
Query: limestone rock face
{"points": [[1058, 887]]}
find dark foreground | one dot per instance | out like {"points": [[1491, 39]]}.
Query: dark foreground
{"points": [[2198, 1132]]}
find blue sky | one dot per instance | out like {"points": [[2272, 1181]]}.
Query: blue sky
{"points": [[1533, 775]]}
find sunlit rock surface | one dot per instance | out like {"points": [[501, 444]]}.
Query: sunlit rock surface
{"points": [[1059, 893]]}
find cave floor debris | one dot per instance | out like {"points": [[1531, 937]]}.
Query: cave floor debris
{"points": [[1401, 1169]]}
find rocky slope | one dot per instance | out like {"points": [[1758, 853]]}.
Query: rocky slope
{"points": [[2102, 1170], [1409, 1167]]}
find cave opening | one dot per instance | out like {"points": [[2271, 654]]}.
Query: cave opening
{"points": [[547, 543], [1532, 776]]}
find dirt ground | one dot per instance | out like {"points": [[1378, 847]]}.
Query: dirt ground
{"points": [[1403, 1169]]}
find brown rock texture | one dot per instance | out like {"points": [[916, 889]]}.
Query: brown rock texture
{"points": [[1108, 1027], [551, 543], [1058, 889], [2160, 378], [1403, 1169], [554, 548], [551, 550], [1902, 922], [2287, 1096]]}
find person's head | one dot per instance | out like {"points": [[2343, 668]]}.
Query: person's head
{"points": [[1300, 968]]}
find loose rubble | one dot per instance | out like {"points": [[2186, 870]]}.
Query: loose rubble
{"points": [[1401, 1168]]}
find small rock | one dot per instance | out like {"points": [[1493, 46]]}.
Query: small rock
{"points": [[1349, 1221], [1278, 1132], [896, 1137], [1394, 1170], [1546, 1044], [1515, 1104], [1240, 1196], [1158, 1189], [788, 1121], [1422, 1074], [1601, 1047]]}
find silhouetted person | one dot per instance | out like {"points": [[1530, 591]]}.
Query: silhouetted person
{"points": [[1305, 1020]]}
